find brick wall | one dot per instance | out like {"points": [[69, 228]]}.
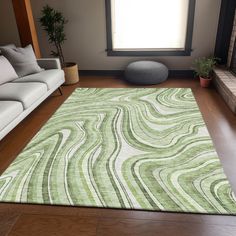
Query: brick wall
{"points": [[232, 42], [225, 83]]}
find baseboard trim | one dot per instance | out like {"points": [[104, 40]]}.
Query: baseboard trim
{"points": [[101, 72], [181, 74], [172, 73]]}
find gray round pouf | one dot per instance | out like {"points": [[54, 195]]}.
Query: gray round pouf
{"points": [[146, 73]]}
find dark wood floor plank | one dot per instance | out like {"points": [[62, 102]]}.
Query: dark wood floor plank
{"points": [[149, 228], [34, 225], [11, 209], [7, 221]]}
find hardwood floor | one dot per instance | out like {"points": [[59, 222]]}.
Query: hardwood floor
{"points": [[37, 220]]}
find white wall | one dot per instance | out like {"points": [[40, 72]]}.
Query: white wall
{"points": [[86, 33]]}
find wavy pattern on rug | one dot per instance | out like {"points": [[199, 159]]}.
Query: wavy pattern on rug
{"points": [[143, 149]]}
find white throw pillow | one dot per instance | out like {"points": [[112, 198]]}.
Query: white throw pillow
{"points": [[7, 72], [22, 59]]}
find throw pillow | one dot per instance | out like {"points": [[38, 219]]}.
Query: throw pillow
{"points": [[7, 71], [22, 59], [7, 46]]}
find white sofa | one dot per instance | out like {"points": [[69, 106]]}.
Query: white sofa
{"points": [[20, 97]]}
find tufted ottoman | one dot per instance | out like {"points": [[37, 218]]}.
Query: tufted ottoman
{"points": [[146, 73]]}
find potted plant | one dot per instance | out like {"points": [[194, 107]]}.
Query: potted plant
{"points": [[204, 69], [53, 22]]}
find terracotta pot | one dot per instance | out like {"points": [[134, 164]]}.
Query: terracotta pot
{"points": [[71, 73], [205, 82]]}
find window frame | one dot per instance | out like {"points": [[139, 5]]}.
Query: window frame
{"points": [[188, 43]]}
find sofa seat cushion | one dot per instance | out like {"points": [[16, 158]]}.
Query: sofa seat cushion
{"points": [[26, 93], [9, 110], [50, 77]]}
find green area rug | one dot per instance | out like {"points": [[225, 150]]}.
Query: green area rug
{"points": [[145, 149]]}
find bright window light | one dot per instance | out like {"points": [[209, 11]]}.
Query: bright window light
{"points": [[149, 25]]}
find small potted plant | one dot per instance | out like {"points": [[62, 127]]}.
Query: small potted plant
{"points": [[53, 22], [204, 70]]}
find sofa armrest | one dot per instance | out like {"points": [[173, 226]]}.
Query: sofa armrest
{"points": [[49, 63]]}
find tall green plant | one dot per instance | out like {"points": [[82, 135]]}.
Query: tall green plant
{"points": [[53, 22], [204, 66]]}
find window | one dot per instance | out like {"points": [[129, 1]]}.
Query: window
{"points": [[149, 27]]}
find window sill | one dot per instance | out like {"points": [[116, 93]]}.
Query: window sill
{"points": [[148, 53]]}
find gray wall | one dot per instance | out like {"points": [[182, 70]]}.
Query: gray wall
{"points": [[8, 28], [86, 33]]}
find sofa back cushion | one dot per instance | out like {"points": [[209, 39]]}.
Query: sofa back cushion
{"points": [[22, 59], [7, 71]]}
